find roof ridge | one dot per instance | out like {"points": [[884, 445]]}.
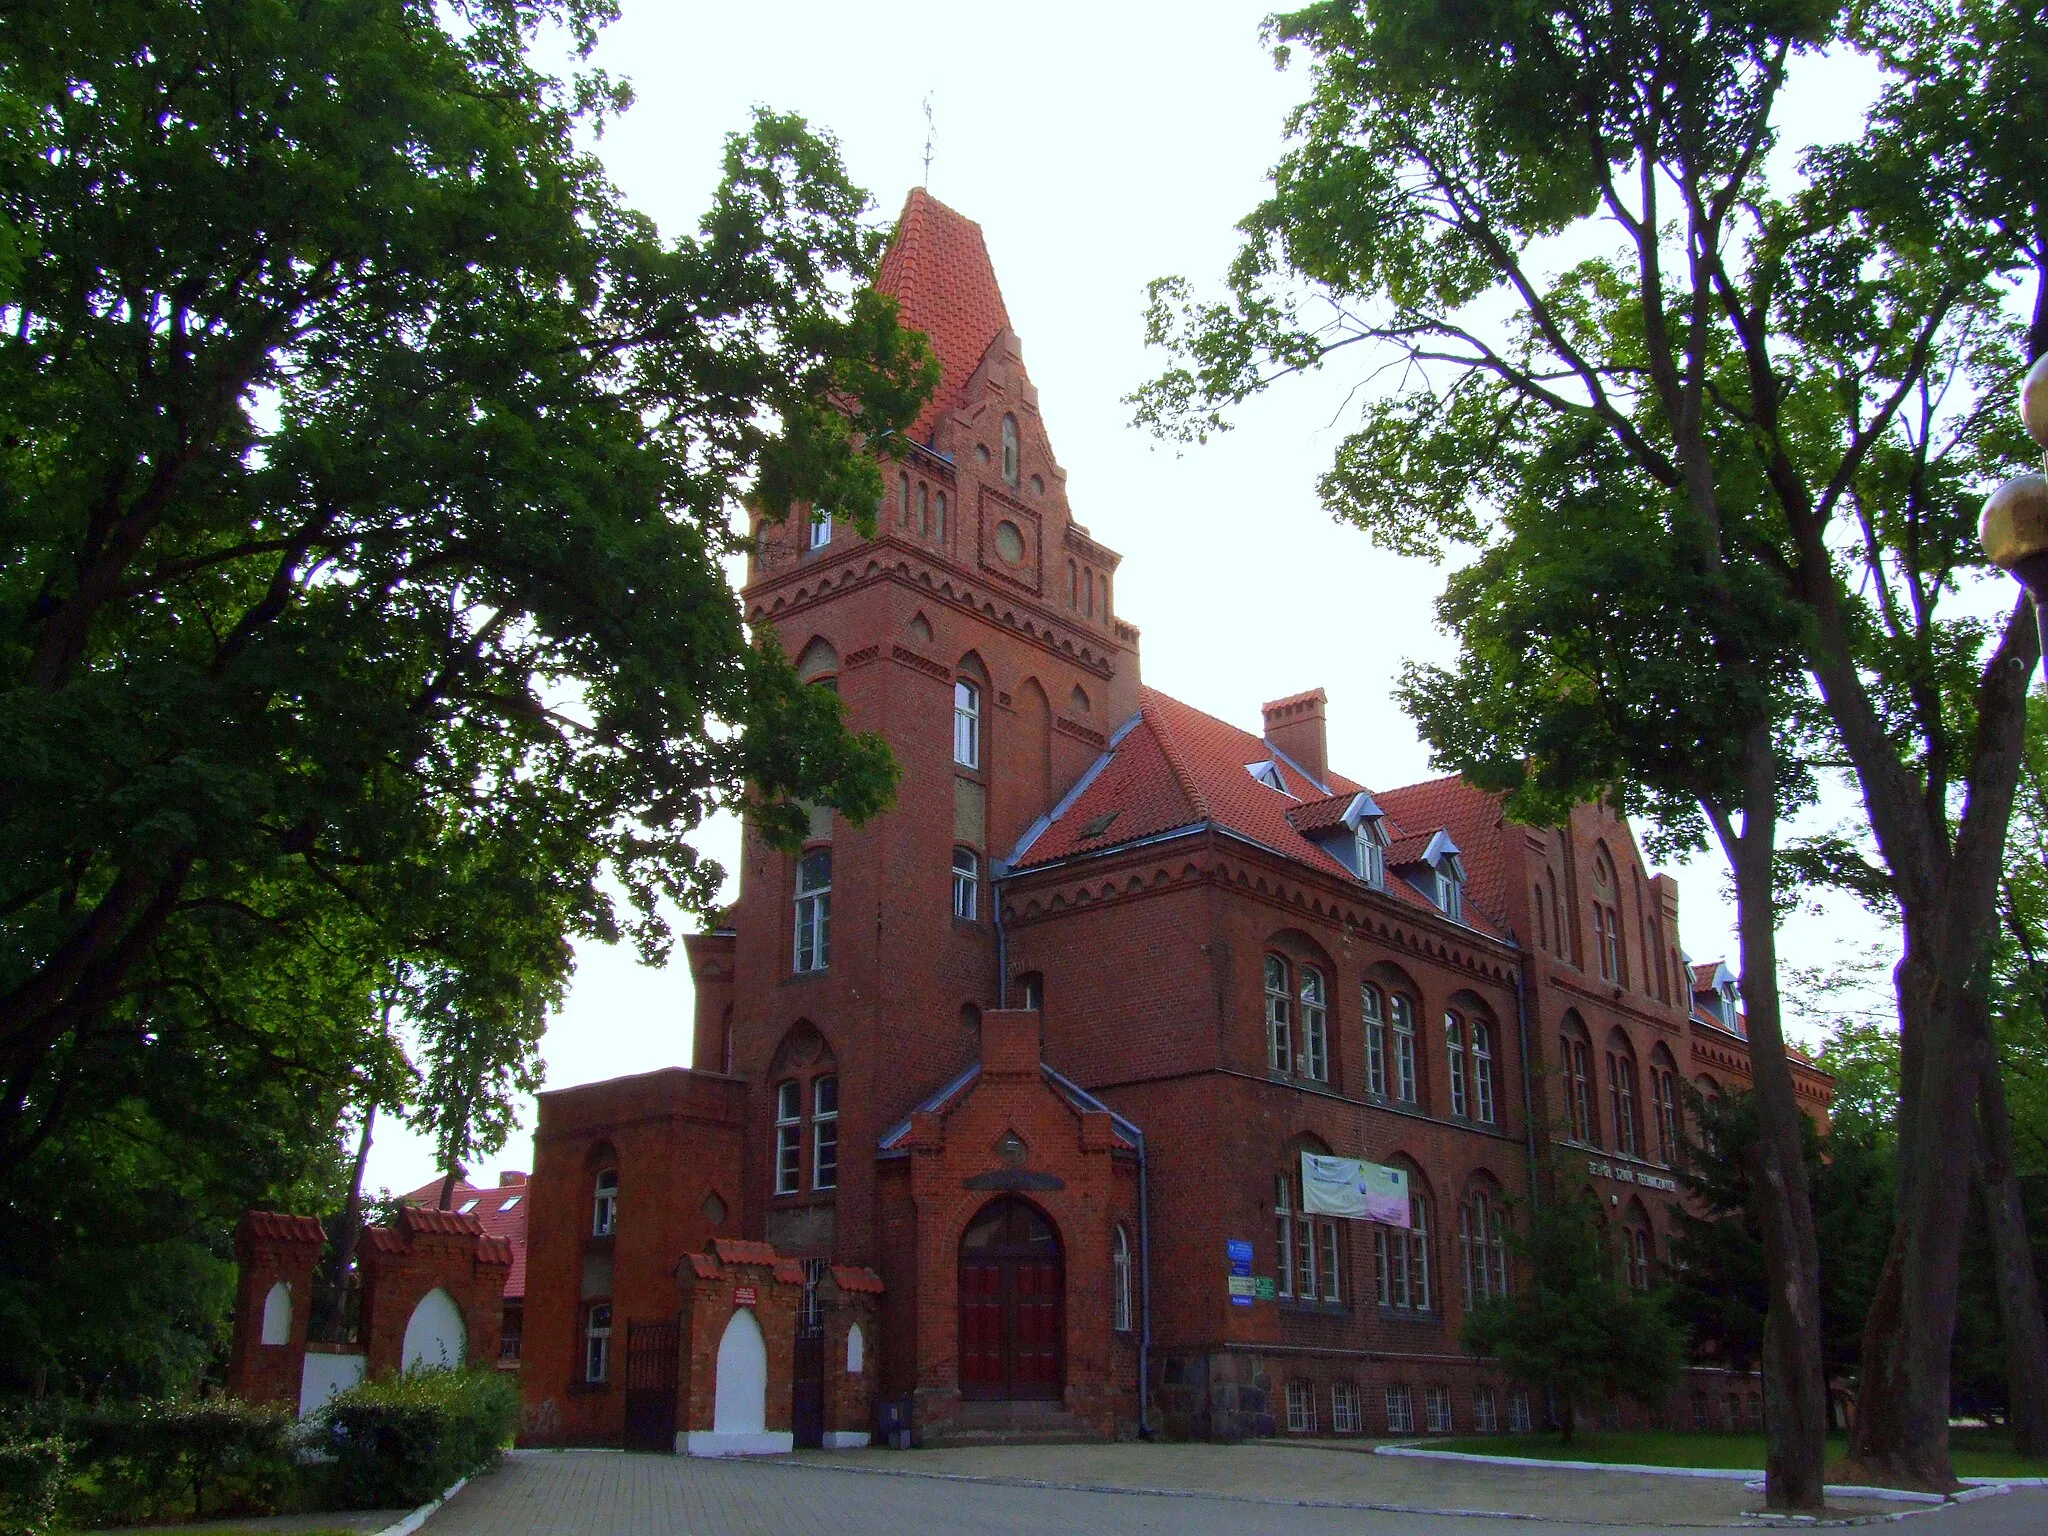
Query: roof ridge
{"points": [[1170, 750]]}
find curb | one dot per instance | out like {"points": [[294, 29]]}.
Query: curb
{"points": [[418, 1517], [1973, 1487]]}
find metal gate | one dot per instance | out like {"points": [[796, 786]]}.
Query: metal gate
{"points": [[651, 1359], [807, 1386]]}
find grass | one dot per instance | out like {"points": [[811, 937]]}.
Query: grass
{"points": [[1977, 1452]]}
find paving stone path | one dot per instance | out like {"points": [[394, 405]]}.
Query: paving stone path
{"points": [[1201, 1490]]}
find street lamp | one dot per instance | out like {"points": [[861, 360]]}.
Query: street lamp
{"points": [[2014, 529]]}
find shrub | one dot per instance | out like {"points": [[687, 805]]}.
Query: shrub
{"points": [[179, 1460], [404, 1440], [31, 1477]]}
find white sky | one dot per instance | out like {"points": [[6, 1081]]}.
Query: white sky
{"points": [[1098, 146]]}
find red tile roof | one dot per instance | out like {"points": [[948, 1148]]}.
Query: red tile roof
{"points": [[415, 1218], [276, 1227], [856, 1277], [1321, 815], [1473, 818], [937, 269], [704, 1265], [1177, 767], [738, 1250], [500, 1212], [789, 1272]]}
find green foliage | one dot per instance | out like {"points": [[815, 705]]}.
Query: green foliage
{"points": [[403, 1441], [1572, 1327], [32, 1474], [132, 1463], [368, 475]]}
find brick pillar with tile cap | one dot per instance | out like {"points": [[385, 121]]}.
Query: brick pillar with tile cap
{"points": [[272, 1250], [848, 1296]]}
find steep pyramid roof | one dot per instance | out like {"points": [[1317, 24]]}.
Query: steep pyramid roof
{"points": [[937, 269]]}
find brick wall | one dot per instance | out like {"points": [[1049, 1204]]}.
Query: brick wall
{"points": [[272, 1249]]}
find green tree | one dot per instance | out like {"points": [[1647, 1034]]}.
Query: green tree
{"points": [[1570, 1327], [1809, 380], [367, 474]]}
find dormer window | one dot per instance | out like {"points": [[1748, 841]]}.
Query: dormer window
{"points": [[1724, 1004], [1267, 774], [1372, 855], [1450, 891]]}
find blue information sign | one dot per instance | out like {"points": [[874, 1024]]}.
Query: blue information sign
{"points": [[1241, 1288]]}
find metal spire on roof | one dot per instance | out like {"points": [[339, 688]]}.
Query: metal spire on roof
{"points": [[930, 132]]}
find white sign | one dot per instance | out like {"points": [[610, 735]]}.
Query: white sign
{"points": [[1351, 1187]]}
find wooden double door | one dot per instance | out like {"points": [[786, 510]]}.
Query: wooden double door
{"points": [[1013, 1305]]}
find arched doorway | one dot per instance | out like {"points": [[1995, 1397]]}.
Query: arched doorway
{"points": [[1013, 1314]]}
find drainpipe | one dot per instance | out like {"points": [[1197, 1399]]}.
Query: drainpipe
{"points": [[1528, 1092], [1144, 1290], [996, 870]]}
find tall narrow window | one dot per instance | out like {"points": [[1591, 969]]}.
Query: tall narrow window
{"points": [[1283, 1233], [966, 724], [1315, 1040], [1482, 1070], [1088, 587], [1621, 1100], [1637, 1242], [604, 1213], [1073, 585], [1404, 1260], [821, 528], [1557, 929], [597, 1343], [1010, 452], [1327, 1247], [966, 882], [924, 507], [1304, 1254], [1482, 1247], [903, 498], [1664, 1090], [825, 1133], [1372, 859], [1279, 1024], [1372, 1009], [1575, 1059], [1418, 1253], [814, 910], [939, 523], [789, 1137], [1542, 928], [1404, 1049], [1120, 1281], [1454, 1052], [1450, 891]]}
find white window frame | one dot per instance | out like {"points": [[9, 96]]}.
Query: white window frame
{"points": [[821, 528], [1437, 1404], [813, 912], [1301, 1407], [1315, 1031], [1372, 1009], [1283, 1233], [1450, 893], [1400, 1411], [1372, 858], [597, 1342], [1519, 1418], [966, 723], [1482, 1070], [1345, 1418], [1120, 1280], [1279, 1016], [1454, 1054], [1406, 1087], [1330, 1280], [789, 1137], [604, 1207], [1485, 1412], [966, 883], [825, 1131]]}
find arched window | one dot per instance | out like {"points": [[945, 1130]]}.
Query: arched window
{"points": [[814, 910], [903, 497], [1454, 1052], [939, 524], [1607, 920], [1372, 1009], [604, 1205], [1306, 1263], [1483, 1245], [1664, 1104], [1637, 1247], [1405, 1085], [789, 1137], [1315, 1037], [1482, 1071], [1542, 928], [1404, 1256], [966, 724], [1010, 452], [1088, 587], [1073, 585], [825, 1132], [966, 883], [1279, 1021], [924, 507], [597, 1343], [1557, 926], [1120, 1280], [1575, 1063], [1621, 1094]]}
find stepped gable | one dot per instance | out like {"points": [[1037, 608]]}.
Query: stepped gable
{"points": [[937, 269]]}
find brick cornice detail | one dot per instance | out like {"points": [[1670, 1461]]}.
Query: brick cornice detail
{"points": [[903, 655], [1080, 732], [1669, 1024]]}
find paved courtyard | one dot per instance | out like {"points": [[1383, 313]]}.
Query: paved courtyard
{"points": [[1197, 1489]]}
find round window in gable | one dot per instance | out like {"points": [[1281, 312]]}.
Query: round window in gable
{"points": [[1010, 542]]}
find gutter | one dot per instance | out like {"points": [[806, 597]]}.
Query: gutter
{"points": [[1528, 1067]]}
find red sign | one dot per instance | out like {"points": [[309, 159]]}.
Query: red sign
{"points": [[743, 1296]]}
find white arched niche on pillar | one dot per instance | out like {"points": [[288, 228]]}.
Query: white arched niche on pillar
{"points": [[277, 1315], [739, 1415], [435, 1335], [856, 1364]]}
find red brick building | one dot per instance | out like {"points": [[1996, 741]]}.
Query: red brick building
{"points": [[1042, 1046]]}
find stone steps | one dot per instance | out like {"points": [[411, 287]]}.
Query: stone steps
{"points": [[1013, 1423]]}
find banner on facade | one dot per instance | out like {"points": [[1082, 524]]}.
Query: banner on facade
{"points": [[1348, 1186]]}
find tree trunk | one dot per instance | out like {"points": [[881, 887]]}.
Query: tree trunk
{"points": [[350, 1229], [1795, 1376], [2019, 1290]]}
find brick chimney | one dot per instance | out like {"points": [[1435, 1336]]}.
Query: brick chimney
{"points": [[509, 1179], [1295, 726]]}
